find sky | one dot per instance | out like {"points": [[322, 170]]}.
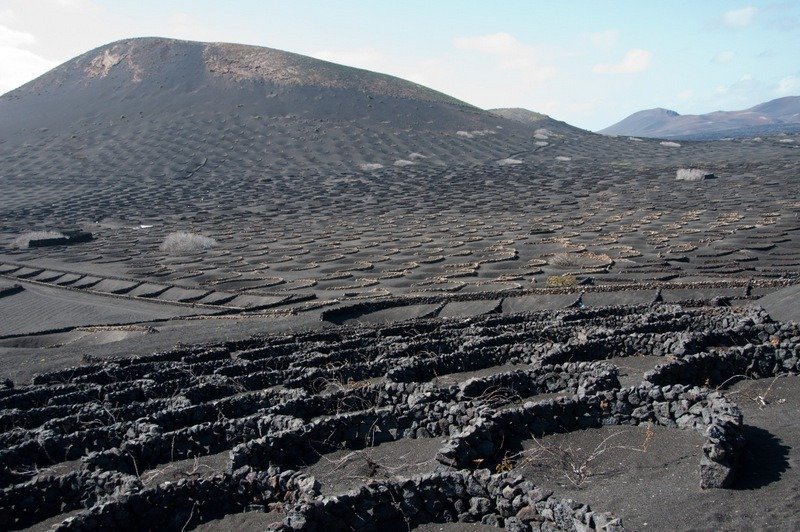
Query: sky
{"points": [[589, 63]]}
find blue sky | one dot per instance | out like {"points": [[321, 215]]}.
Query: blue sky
{"points": [[588, 63]]}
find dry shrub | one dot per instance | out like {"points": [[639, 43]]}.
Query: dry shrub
{"points": [[505, 465], [183, 242], [577, 465], [562, 280], [692, 174]]}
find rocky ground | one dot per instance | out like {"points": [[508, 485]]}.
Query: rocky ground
{"points": [[592, 358], [505, 420]]}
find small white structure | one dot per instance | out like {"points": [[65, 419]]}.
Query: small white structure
{"points": [[693, 174]]}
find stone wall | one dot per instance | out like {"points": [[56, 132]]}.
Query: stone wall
{"points": [[276, 403]]}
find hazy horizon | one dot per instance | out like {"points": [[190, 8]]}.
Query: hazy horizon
{"points": [[590, 64]]}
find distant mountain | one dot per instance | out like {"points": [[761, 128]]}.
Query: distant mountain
{"points": [[647, 123], [775, 116]]}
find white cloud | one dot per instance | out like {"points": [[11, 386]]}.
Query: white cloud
{"points": [[7, 16], [724, 57], [18, 66], [14, 38], [634, 61], [685, 95], [788, 86], [68, 3], [513, 54], [495, 44], [739, 18], [737, 95], [604, 39]]}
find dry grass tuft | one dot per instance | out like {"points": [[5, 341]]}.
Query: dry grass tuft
{"points": [[561, 280], [183, 242], [692, 174]]}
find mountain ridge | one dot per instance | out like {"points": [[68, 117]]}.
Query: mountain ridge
{"points": [[271, 110], [173, 75], [235, 61], [780, 114]]}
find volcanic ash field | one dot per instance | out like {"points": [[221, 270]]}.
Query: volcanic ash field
{"points": [[242, 288]]}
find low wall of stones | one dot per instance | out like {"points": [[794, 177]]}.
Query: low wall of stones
{"points": [[422, 370], [303, 443], [571, 377], [50, 448], [777, 357], [350, 398], [175, 506], [155, 421], [500, 500], [25, 504], [670, 406], [403, 410], [135, 455], [317, 380], [629, 343]]}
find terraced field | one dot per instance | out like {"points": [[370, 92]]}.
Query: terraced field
{"points": [[423, 230]]}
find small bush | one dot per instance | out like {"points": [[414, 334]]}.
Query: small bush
{"points": [[562, 280], [182, 242], [692, 174], [23, 241], [476, 133]]}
